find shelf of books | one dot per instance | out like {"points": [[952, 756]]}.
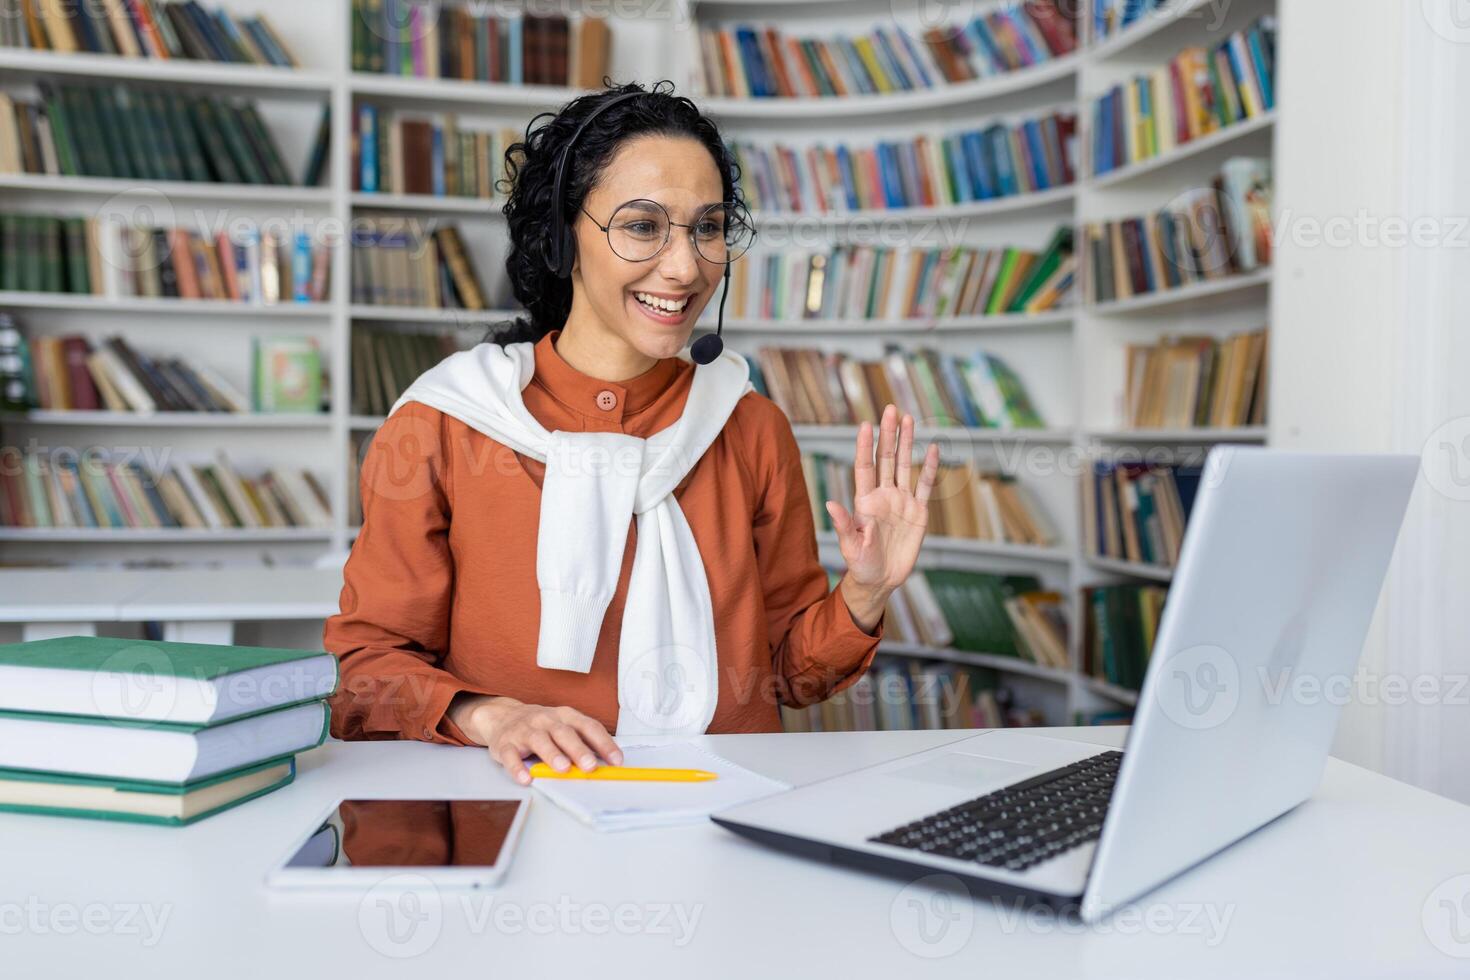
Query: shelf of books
{"points": [[1174, 221], [1043, 230]]}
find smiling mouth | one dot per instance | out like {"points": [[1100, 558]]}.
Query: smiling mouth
{"points": [[659, 304]]}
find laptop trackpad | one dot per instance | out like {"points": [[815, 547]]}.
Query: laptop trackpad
{"points": [[963, 770]]}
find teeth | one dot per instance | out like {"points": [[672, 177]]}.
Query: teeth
{"points": [[659, 303]]}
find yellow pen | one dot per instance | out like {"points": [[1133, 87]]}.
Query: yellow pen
{"points": [[540, 770]]}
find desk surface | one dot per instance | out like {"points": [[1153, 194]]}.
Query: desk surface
{"points": [[1358, 882]]}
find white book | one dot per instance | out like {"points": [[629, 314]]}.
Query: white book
{"points": [[155, 752], [931, 617], [292, 482], [200, 499], [229, 482], [221, 388], [128, 386]]}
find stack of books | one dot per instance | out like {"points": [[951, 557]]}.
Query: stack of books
{"points": [[394, 264], [904, 694], [1008, 616], [1205, 234], [61, 488], [1137, 511], [408, 153], [69, 373], [1187, 382], [1118, 636], [154, 732], [104, 257], [815, 387], [763, 62], [878, 282], [434, 40], [144, 29], [138, 134], [967, 502], [385, 362], [1002, 160], [1198, 93]]}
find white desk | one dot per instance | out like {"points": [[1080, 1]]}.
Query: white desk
{"points": [[1338, 888], [196, 605]]}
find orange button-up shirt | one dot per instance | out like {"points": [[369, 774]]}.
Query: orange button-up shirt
{"points": [[440, 594]]}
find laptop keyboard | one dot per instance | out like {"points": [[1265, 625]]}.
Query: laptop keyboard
{"points": [[1023, 824]]}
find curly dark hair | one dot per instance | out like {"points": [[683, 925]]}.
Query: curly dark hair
{"points": [[530, 174]]}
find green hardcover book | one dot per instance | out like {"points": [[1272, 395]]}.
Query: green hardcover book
{"points": [[288, 374], [1018, 406], [184, 683], [1057, 249], [359, 35], [138, 801], [33, 267], [175, 121], [376, 45], [160, 151], [52, 277], [1003, 288], [61, 131], [212, 484], [934, 403], [141, 132], [216, 152], [74, 233], [88, 130], [264, 145], [107, 128], [10, 231], [232, 127]]}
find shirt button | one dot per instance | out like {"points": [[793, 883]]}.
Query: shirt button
{"points": [[607, 400]]}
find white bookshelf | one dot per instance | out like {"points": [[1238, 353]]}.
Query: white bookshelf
{"points": [[1069, 359]]}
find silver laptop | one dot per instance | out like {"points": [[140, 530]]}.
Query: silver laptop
{"points": [[1282, 563]]}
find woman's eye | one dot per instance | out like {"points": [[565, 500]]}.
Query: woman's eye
{"points": [[640, 228], [710, 229]]}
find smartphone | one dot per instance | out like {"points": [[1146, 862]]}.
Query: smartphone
{"points": [[364, 843]]}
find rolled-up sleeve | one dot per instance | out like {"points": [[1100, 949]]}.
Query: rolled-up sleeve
{"points": [[392, 629], [818, 648]]}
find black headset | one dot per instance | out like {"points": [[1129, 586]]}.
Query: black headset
{"points": [[561, 248]]}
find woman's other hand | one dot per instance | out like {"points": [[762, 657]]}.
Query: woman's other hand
{"points": [[512, 730]]}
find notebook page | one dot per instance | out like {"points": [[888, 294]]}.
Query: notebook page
{"points": [[620, 805]]}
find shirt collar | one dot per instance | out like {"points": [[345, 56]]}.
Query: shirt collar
{"points": [[581, 392]]}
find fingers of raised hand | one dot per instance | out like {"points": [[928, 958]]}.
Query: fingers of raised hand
{"points": [[887, 445], [928, 475]]}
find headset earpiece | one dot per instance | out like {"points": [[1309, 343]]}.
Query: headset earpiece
{"points": [[561, 245]]}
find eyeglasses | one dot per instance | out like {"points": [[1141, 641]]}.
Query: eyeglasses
{"points": [[639, 230]]}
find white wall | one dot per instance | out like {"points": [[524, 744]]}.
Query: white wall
{"points": [[1369, 348]]}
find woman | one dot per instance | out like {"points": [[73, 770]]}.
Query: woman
{"points": [[471, 614]]}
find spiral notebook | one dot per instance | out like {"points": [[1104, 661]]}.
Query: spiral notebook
{"points": [[609, 805]]}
